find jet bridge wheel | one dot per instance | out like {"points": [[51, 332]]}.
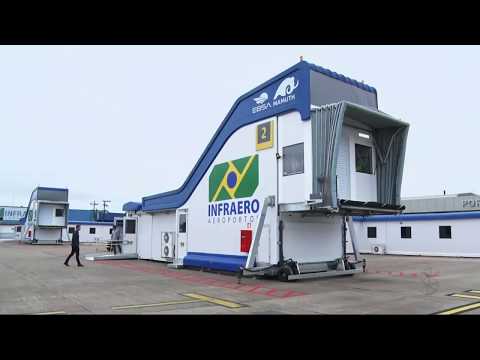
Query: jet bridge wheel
{"points": [[284, 272]]}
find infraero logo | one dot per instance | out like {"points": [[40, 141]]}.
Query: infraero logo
{"points": [[234, 179]]}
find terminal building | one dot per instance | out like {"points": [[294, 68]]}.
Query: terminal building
{"points": [[95, 225], [441, 225], [10, 217]]}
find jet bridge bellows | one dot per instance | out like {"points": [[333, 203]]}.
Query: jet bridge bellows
{"points": [[389, 140]]}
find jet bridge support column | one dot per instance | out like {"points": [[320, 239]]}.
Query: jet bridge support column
{"points": [[353, 236], [252, 254]]}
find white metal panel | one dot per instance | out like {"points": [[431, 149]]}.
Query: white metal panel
{"points": [[292, 130], [425, 238], [162, 222], [312, 239], [42, 234], [264, 247], [221, 234], [102, 232], [46, 215], [129, 245], [144, 236]]}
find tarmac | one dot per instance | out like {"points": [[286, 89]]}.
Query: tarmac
{"points": [[33, 280]]}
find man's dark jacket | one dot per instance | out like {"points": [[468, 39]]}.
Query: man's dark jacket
{"points": [[75, 240]]}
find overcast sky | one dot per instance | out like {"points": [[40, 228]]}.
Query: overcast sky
{"points": [[121, 122]]}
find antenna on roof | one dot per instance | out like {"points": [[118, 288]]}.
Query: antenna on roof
{"points": [[94, 204], [105, 205]]}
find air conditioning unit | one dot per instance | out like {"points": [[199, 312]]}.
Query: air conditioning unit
{"points": [[168, 244], [378, 249]]}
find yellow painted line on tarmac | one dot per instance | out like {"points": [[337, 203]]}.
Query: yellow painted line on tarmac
{"points": [[460, 309], [216, 301], [51, 313], [466, 296], [178, 302]]}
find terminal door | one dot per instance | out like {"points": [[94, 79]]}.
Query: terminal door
{"points": [[129, 245]]}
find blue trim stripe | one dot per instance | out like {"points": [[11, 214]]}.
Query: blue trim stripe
{"points": [[215, 261], [420, 217]]}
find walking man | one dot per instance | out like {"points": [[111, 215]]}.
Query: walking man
{"points": [[75, 247]]}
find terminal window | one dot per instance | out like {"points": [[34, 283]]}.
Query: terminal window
{"points": [[372, 232], [363, 159], [445, 232], [406, 232], [92, 230], [293, 159], [58, 212]]}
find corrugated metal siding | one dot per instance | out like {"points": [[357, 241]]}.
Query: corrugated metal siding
{"points": [[442, 204], [343, 167]]}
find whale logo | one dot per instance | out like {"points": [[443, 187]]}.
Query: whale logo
{"points": [[286, 87], [261, 99]]}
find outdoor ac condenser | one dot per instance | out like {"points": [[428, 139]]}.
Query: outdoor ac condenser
{"points": [[378, 249], [168, 244]]}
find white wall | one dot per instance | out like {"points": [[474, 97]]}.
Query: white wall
{"points": [[7, 232], [102, 232], [162, 222], [149, 230], [42, 234], [144, 236], [46, 215], [425, 238], [312, 238], [292, 130], [221, 235]]}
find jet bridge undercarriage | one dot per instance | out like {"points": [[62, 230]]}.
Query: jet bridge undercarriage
{"points": [[290, 269]]}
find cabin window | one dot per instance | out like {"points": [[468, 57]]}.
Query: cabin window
{"points": [[445, 232], [71, 230], [129, 226], [293, 159], [406, 232], [19, 228], [363, 159], [92, 230], [58, 212], [182, 223], [372, 232]]}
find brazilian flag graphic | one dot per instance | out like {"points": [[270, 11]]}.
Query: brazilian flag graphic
{"points": [[233, 179]]}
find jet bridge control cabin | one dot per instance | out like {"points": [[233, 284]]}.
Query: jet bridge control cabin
{"points": [[274, 190]]}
